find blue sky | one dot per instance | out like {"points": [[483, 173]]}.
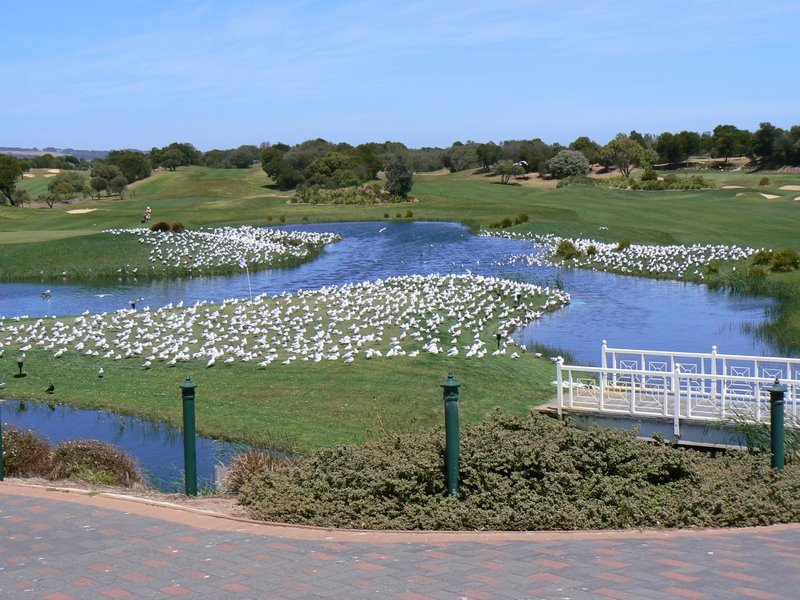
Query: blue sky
{"points": [[142, 73]]}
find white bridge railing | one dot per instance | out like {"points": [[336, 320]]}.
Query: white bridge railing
{"points": [[680, 385]]}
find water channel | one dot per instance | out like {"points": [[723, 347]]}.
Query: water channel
{"points": [[629, 312]]}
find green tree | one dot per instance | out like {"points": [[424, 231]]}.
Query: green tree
{"points": [[460, 157], [568, 163], [11, 171], [623, 153], [102, 175], [117, 185], [62, 187], [589, 148], [243, 157], [172, 158], [488, 154], [764, 144], [277, 168], [98, 185], [133, 165], [331, 170], [729, 140], [507, 169], [399, 176]]}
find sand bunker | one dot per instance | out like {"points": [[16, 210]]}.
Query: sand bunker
{"points": [[732, 187], [28, 175], [80, 211], [791, 188], [770, 196], [740, 194], [797, 199], [54, 171]]}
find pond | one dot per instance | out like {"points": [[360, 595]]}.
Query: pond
{"points": [[627, 311], [157, 446]]}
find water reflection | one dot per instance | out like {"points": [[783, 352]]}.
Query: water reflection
{"points": [[156, 445]]}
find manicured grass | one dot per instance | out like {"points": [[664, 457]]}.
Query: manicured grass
{"points": [[308, 404]]}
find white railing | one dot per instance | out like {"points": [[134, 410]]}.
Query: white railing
{"points": [[702, 363], [675, 393]]}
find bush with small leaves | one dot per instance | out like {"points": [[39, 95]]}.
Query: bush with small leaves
{"points": [[27, 454], [712, 268], [94, 460], [409, 214], [591, 250], [525, 473], [521, 218], [568, 163], [622, 245], [763, 181], [178, 227]]}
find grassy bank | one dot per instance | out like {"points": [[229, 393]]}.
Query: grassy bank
{"points": [[304, 404]]}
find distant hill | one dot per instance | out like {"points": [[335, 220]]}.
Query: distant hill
{"points": [[31, 152]]}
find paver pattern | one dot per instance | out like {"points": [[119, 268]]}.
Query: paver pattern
{"points": [[59, 546]]}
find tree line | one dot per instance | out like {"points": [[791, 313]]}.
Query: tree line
{"points": [[319, 163]]}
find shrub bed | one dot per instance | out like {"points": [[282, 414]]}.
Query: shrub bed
{"points": [[525, 473], [29, 455]]}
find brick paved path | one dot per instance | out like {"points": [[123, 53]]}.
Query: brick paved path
{"points": [[58, 545]]}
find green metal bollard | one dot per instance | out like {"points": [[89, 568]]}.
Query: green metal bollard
{"points": [[776, 405], [189, 447], [451, 429]]}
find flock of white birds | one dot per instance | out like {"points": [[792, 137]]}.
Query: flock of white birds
{"points": [[401, 316], [203, 249], [676, 261]]}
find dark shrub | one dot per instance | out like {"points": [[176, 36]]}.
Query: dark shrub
{"points": [[785, 261], [649, 174], [26, 453], [576, 180], [93, 461], [282, 218], [763, 181], [521, 218], [567, 250], [178, 227], [756, 271], [160, 226], [622, 245], [409, 214], [712, 268], [591, 250], [762, 257], [386, 215]]}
